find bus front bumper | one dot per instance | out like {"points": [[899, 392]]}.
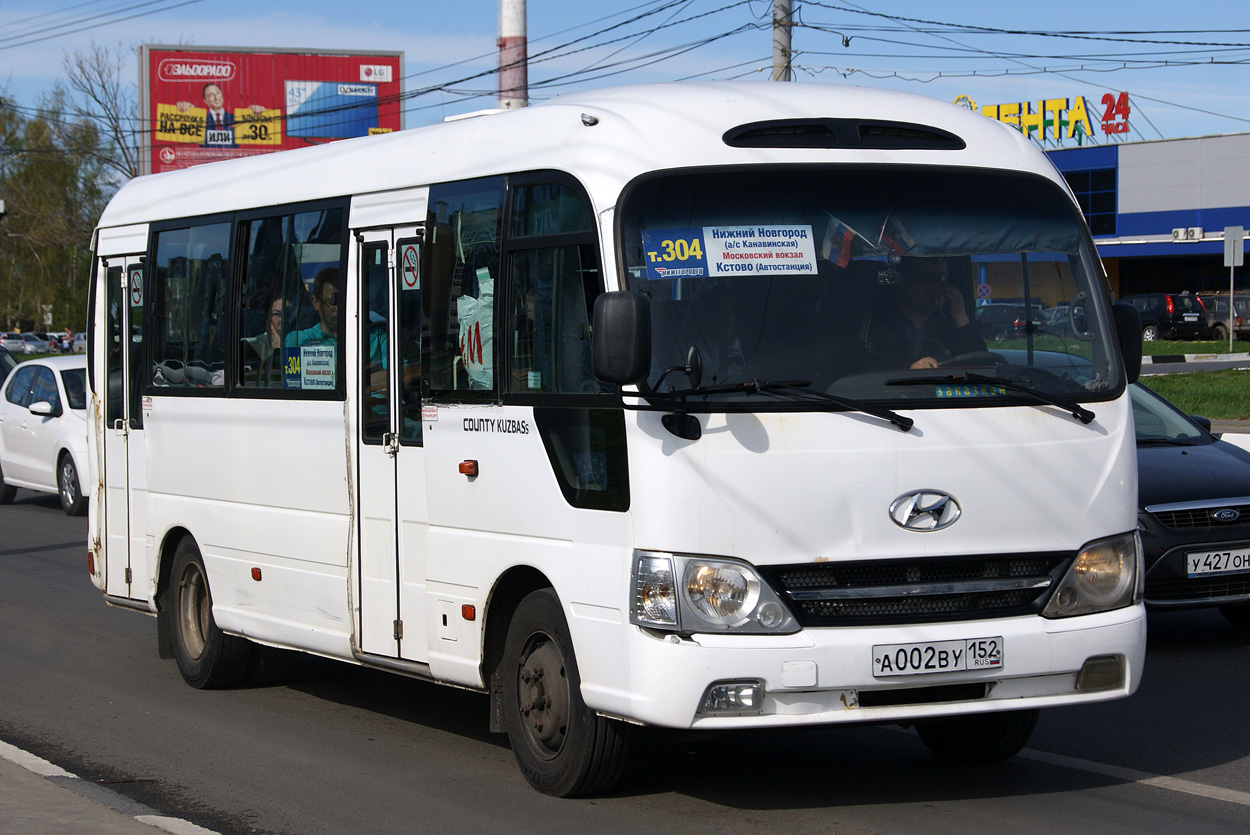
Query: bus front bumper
{"points": [[825, 676]]}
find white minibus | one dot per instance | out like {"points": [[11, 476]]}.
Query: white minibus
{"points": [[665, 405]]}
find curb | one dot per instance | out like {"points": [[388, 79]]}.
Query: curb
{"points": [[1169, 358], [111, 802]]}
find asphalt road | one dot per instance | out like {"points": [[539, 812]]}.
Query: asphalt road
{"points": [[343, 750]]}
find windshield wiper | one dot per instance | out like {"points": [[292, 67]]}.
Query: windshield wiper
{"points": [[1075, 409], [795, 387]]}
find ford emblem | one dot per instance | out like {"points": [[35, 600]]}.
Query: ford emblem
{"points": [[1226, 514], [925, 510]]}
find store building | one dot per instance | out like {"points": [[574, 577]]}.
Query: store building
{"points": [[1158, 209]]}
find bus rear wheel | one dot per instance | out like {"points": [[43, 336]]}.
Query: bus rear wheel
{"points": [[562, 747], [207, 657], [980, 737]]}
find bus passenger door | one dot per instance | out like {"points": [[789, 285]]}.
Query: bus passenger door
{"points": [[393, 520], [125, 475]]}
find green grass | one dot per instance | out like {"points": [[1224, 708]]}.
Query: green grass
{"points": [[1164, 346], [1218, 395]]}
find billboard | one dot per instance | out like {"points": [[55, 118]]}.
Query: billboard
{"points": [[203, 104]]}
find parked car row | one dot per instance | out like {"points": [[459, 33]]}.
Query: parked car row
{"points": [[1186, 316], [1169, 315], [42, 343], [1217, 316]]}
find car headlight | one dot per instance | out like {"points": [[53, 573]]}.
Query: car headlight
{"points": [[701, 594], [1105, 575]]}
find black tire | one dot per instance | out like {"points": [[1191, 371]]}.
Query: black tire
{"points": [[562, 747], [1238, 614], [999, 335], [7, 493], [1219, 332], [69, 487], [980, 737], [1149, 333], [207, 657]]}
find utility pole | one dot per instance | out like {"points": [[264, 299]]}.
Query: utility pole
{"points": [[513, 58], [781, 40]]}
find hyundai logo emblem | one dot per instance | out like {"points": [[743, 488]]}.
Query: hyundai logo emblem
{"points": [[1227, 514], [925, 510]]}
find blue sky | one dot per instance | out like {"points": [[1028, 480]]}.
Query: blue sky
{"points": [[1192, 88]]}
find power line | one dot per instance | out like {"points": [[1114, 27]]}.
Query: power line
{"points": [[28, 38], [966, 27]]}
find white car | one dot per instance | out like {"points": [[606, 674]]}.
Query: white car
{"points": [[43, 431], [12, 341]]}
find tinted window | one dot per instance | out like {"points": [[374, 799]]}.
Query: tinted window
{"points": [[75, 382], [18, 390], [189, 288], [844, 280], [45, 389], [289, 335], [462, 267]]}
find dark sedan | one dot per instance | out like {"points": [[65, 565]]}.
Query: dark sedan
{"points": [[1194, 517]]}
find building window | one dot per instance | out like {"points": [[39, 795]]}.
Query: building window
{"points": [[1095, 192]]}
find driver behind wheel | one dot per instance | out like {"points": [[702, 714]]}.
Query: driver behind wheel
{"points": [[925, 323]]}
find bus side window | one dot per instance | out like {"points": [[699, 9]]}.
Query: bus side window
{"points": [[189, 285], [553, 289], [554, 277], [462, 268], [280, 327]]}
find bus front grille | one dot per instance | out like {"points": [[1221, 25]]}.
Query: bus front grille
{"points": [[884, 592]]}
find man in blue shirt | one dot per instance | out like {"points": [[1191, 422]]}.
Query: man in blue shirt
{"points": [[326, 303]]}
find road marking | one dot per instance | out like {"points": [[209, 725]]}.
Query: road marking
{"points": [[40, 766], [1130, 775], [30, 762], [175, 826]]}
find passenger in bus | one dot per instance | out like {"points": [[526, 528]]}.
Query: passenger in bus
{"points": [[267, 345], [326, 303], [926, 322]]}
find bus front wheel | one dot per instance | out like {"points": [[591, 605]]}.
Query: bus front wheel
{"points": [[563, 747], [980, 737], [207, 657]]}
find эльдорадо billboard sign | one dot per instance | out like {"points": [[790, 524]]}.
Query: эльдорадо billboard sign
{"points": [[208, 104]]}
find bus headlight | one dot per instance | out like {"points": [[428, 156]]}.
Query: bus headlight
{"points": [[1104, 576], [700, 594]]}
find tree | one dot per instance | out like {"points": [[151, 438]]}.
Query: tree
{"points": [[94, 89], [53, 182]]}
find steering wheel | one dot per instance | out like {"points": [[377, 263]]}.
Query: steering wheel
{"points": [[976, 358]]}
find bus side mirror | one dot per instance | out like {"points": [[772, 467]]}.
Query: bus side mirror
{"points": [[1128, 328], [620, 340]]}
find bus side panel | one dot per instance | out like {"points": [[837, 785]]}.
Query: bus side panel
{"points": [[514, 514], [289, 516]]}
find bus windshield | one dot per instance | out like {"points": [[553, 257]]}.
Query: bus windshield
{"points": [[892, 284]]}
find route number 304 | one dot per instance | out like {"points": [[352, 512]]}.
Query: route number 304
{"points": [[678, 250]]}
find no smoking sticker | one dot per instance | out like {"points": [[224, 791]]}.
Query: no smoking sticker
{"points": [[410, 267], [136, 287]]}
